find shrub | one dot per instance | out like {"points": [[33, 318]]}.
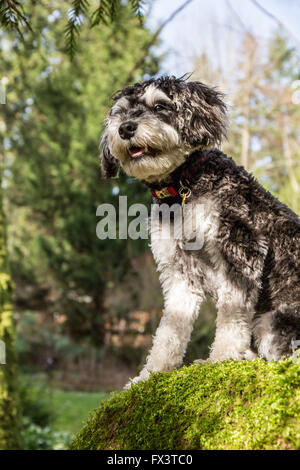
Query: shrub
{"points": [[37, 417]]}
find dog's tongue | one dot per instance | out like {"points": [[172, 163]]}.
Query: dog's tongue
{"points": [[136, 152]]}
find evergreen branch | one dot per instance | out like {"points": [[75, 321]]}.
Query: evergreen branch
{"points": [[12, 13], [76, 15], [138, 7], [106, 12]]}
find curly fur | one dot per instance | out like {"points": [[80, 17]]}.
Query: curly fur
{"points": [[194, 117], [250, 259]]}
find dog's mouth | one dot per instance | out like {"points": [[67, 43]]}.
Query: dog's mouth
{"points": [[139, 152]]}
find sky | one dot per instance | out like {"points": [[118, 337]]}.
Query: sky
{"points": [[211, 26]]}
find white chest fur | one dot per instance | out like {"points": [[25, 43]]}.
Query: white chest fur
{"points": [[195, 255], [195, 235]]}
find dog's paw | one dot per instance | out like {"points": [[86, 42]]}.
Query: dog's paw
{"points": [[201, 361], [233, 355], [225, 355], [250, 355], [144, 375]]}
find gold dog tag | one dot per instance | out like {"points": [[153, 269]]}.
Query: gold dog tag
{"points": [[185, 193]]}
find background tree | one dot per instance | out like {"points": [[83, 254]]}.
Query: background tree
{"points": [[282, 140], [9, 406], [57, 109]]}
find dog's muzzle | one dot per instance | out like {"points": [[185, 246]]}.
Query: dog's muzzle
{"points": [[127, 129]]}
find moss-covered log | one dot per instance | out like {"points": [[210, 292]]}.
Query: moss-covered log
{"points": [[229, 405]]}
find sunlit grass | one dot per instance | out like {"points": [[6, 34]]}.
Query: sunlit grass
{"points": [[72, 408]]}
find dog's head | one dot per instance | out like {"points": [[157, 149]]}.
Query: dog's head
{"points": [[153, 126]]}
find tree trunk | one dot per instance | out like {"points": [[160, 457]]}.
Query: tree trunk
{"points": [[287, 153], [9, 409], [246, 135], [250, 47]]}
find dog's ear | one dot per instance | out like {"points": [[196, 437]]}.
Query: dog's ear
{"points": [[206, 113], [109, 164]]}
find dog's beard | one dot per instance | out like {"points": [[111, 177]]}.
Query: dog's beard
{"points": [[161, 144]]}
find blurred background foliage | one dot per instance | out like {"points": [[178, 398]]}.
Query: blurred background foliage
{"points": [[85, 309]]}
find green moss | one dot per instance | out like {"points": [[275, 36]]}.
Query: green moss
{"points": [[229, 405]]}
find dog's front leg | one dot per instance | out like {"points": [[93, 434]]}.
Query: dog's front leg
{"points": [[233, 330], [174, 331]]}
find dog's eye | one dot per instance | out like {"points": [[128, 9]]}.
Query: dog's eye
{"points": [[159, 107], [117, 110]]}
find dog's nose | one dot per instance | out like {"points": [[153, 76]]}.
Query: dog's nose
{"points": [[127, 129]]}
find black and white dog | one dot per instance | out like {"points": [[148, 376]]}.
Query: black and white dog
{"points": [[163, 132]]}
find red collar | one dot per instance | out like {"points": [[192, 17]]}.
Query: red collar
{"points": [[169, 191]]}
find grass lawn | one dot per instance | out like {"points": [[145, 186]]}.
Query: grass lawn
{"points": [[72, 408]]}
